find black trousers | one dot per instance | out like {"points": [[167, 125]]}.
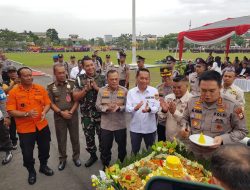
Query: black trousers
{"points": [[136, 139], [12, 130], [107, 138], [161, 132], [5, 142], [27, 143]]}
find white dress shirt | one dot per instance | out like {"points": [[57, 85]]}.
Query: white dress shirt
{"points": [[75, 71], [143, 122]]}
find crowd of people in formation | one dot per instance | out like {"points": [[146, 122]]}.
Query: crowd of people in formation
{"points": [[203, 99]]}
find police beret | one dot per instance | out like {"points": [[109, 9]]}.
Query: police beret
{"points": [[140, 58], [11, 68], [200, 61], [170, 58], [123, 54], [60, 55]]}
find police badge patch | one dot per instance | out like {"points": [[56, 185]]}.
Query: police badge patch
{"points": [[239, 113]]}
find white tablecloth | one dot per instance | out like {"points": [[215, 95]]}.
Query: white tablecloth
{"points": [[244, 84]]}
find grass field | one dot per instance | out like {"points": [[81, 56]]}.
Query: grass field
{"points": [[44, 61]]}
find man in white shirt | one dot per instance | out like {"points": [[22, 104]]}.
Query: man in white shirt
{"points": [[173, 106], [143, 104], [231, 90], [75, 71]]}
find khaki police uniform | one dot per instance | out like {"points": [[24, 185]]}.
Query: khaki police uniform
{"points": [[224, 118], [123, 70], [61, 96], [235, 93], [113, 125], [194, 84], [161, 130]]}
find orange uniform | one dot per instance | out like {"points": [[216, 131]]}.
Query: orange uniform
{"points": [[35, 98]]}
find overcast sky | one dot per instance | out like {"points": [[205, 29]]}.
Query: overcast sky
{"points": [[93, 18]]}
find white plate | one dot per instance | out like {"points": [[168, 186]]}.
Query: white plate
{"points": [[195, 139]]}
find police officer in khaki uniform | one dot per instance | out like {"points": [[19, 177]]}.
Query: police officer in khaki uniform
{"points": [[164, 89], [111, 101], [65, 115], [231, 90], [123, 71], [200, 67], [216, 116]]}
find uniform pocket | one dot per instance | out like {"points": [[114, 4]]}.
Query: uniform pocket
{"points": [[39, 99], [218, 124]]}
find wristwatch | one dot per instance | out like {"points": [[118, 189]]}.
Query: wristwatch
{"points": [[26, 114]]}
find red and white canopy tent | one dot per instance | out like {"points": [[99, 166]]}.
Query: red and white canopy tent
{"points": [[214, 32]]}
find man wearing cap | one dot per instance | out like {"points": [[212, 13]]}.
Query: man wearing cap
{"points": [[85, 92], [7, 87], [164, 89], [98, 66], [107, 65], [55, 59], [66, 65], [231, 90], [123, 71], [200, 67], [98, 58], [140, 62], [214, 115], [72, 63], [170, 61]]}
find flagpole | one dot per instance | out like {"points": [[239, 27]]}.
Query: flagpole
{"points": [[133, 33]]}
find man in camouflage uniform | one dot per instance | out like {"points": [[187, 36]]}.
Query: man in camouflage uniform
{"points": [[86, 90], [111, 101], [216, 116], [200, 67], [164, 89], [65, 115]]}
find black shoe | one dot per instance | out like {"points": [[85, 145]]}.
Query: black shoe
{"points": [[93, 158], [104, 167], [14, 146], [46, 170], [61, 165], [32, 177], [77, 162], [8, 157]]}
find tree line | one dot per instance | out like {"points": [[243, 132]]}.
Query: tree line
{"points": [[13, 40]]}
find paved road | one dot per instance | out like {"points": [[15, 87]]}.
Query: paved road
{"points": [[14, 176]]}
